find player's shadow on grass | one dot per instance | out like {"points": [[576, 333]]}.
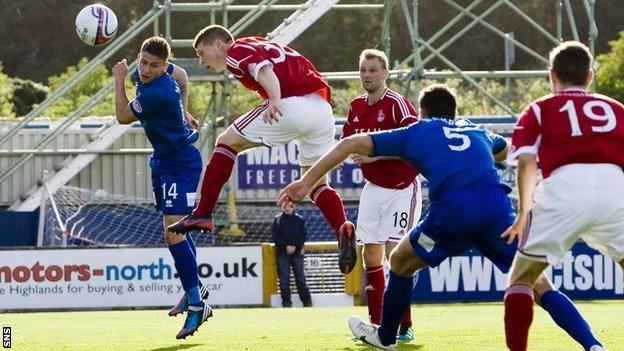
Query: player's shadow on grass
{"points": [[402, 347], [177, 347]]}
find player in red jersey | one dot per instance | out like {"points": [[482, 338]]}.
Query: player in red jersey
{"points": [[391, 201], [296, 107], [578, 138]]}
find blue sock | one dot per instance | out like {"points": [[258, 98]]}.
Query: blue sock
{"points": [[186, 265], [396, 299], [194, 292], [191, 243], [565, 314]]}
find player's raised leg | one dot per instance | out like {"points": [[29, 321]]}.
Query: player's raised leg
{"points": [[217, 173], [315, 121], [331, 206]]}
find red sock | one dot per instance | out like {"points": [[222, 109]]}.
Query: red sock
{"points": [[518, 316], [375, 285], [406, 320], [217, 172], [330, 204]]}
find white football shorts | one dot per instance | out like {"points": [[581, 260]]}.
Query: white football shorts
{"points": [[308, 120], [387, 214], [578, 201]]}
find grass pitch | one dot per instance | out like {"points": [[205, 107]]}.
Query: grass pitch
{"points": [[437, 327]]}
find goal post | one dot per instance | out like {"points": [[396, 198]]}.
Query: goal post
{"points": [[322, 278]]}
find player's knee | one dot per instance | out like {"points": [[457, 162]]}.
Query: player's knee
{"points": [[370, 260], [372, 255], [224, 138], [234, 141], [526, 272], [541, 286], [173, 238], [398, 262]]}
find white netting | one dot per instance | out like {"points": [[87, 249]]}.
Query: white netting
{"points": [[91, 217], [97, 218]]}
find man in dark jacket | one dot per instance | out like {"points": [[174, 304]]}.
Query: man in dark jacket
{"points": [[289, 235]]}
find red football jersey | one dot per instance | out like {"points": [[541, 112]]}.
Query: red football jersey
{"points": [[572, 126], [390, 112], [297, 75]]}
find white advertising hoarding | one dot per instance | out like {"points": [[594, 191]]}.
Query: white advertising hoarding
{"points": [[80, 278]]}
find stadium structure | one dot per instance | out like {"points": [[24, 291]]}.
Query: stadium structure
{"points": [[70, 183]]}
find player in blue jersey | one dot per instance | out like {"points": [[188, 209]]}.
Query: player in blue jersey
{"points": [[469, 208], [160, 106]]}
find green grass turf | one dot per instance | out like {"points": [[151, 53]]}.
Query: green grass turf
{"points": [[437, 327]]}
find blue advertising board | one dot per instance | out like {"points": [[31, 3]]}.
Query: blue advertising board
{"points": [[585, 274], [275, 167]]}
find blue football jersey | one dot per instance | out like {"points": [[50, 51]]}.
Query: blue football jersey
{"points": [[159, 109], [452, 155]]}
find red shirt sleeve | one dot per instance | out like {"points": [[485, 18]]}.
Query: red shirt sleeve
{"points": [[527, 133], [245, 59]]}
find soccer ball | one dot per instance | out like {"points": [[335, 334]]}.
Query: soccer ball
{"points": [[96, 24]]}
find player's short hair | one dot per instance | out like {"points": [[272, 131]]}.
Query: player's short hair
{"points": [[157, 46], [374, 53], [571, 61], [439, 101], [211, 33]]}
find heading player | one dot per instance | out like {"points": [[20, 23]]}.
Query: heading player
{"points": [[295, 108], [469, 206], [391, 201], [578, 137], [160, 106]]}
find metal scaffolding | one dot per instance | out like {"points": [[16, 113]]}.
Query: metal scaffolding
{"points": [[407, 72]]}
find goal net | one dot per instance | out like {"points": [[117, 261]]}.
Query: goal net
{"points": [[82, 217]]}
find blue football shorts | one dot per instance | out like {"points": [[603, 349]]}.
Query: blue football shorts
{"points": [[466, 220], [175, 181]]}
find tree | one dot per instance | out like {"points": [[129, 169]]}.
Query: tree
{"points": [[26, 94], [6, 94], [39, 47], [610, 74], [82, 92]]}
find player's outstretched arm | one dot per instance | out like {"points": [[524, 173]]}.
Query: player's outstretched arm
{"points": [[269, 81], [526, 178], [363, 159], [122, 110], [296, 191]]}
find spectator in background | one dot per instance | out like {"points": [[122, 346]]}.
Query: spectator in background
{"points": [[289, 235]]}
